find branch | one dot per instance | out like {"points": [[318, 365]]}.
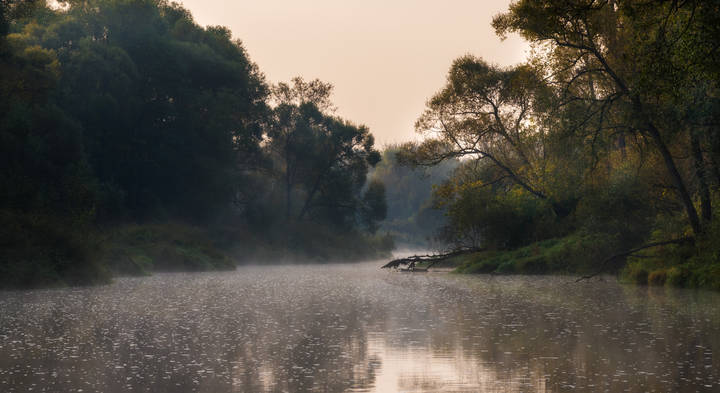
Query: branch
{"points": [[634, 250], [433, 259]]}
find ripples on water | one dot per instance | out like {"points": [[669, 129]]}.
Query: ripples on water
{"points": [[355, 328]]}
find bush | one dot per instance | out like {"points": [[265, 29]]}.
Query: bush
{"points": [[676, 276], [46, 251], [639, 276], [533, 265], [506, 267], [657, 277], [140, 249], [577, 253], [684, 265]]}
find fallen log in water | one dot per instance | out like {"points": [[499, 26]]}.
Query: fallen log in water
{"points": [[431, 259]]}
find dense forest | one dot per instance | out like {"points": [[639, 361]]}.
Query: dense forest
{"points": [[600, 154], [132, 139]]}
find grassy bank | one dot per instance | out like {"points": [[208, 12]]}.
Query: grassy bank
{"points": [[685, 266], [141, 249], [44, 251], [574, 254]]}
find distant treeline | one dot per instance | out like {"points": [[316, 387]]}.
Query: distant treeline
{"points": [[414, 219], [601, 153], [132, 139]]}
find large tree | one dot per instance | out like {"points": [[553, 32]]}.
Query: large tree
{"points": [[624, 61], [497, 116], [170, 111], [322, 160]]}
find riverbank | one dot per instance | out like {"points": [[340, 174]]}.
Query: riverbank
{"points": [[683, 266], [46, 252]]}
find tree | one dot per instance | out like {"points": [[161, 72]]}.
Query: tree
{"points": [[374, 206], [171, 112], [609, 54], [494, 115], [323, 160]]}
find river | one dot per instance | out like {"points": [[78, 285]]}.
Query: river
{"points": [[356, 328]]}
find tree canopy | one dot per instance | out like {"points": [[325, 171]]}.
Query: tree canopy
{"points": [[128, 112], [609, 129]]}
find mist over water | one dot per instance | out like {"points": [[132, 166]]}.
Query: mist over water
{"points": [[333, 328]]}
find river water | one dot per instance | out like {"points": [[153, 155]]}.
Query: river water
{"points": [[356, 328]]}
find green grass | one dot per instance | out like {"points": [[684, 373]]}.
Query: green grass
{"points": [[577, 253], [685, 266], [691, 274]]}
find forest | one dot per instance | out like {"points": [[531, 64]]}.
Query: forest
{"points": [[133, 140], [173, 219], [600, 154]]}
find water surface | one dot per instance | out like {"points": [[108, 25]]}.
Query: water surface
{"points": [[355, 328]]}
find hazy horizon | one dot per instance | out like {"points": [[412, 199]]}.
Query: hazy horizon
{"points": [[385, 60]]}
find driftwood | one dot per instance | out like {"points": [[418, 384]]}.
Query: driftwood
{"points": [[605, 262], [432, 259]]}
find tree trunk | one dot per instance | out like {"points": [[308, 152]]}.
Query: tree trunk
{"points": [[674, 174], [308, 200], [700, 173], [288, 193]]}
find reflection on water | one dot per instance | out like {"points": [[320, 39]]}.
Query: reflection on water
{"points": [[355, 328]]}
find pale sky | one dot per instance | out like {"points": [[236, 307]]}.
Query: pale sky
{"points": [[384, 57]]}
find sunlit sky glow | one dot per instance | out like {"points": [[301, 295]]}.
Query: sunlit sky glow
{"points": [[385, 58]]}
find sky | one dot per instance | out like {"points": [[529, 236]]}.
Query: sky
{"points": [[386, 58]]}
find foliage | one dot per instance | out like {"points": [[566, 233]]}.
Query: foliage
{"points": [[141, 249], [126, 119], [607, 133], [691, 266], [374, 205], [412, 217], [580, 252], [43, 250], [321, 160]]}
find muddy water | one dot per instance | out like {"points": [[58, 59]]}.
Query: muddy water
{"points": [[355, 328]]}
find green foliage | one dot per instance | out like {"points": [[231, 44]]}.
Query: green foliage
{"points": [[43, 250], [321, 160], [693, 266], [657, 277], [491, 214], [374, 205], [128, 119], [141, 249], [605, 140], [577, 253]]}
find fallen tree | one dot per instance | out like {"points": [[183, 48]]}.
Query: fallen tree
{"points": [[430, 259]]}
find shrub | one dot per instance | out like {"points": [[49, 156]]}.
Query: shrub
{"points": [[43, 250], [657, 277], [139, 249], [676, 276]]}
